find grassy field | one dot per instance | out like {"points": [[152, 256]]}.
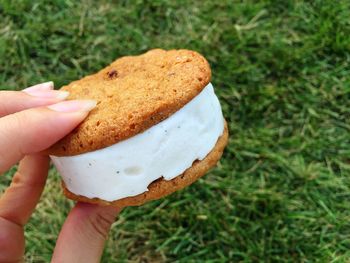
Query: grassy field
{"points": [[281, 69]]}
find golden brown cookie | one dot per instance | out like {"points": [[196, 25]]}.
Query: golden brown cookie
{"points": [[160, 187], [133, 94]]}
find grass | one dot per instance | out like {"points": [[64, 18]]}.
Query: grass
{"points": [[281, 69]]}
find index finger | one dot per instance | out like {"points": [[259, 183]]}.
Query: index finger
{"points": [[35, 96]]}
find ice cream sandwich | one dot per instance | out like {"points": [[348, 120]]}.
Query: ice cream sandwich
{"points": [[157, 127]]}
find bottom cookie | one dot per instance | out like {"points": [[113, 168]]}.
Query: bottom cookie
{"points": [[161, 187]]}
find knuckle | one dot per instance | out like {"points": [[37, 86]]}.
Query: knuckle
{"points": [[12, 101], [4, 107], [101, 224], [21, 127], [17, 125]]}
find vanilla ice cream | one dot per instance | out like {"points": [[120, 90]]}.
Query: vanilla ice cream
{"points": [[165, 150]]}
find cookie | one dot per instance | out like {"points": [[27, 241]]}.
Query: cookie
{"points": [[133, 94]]}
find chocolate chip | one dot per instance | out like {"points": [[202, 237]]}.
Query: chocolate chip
{"points": [[112, 74]]}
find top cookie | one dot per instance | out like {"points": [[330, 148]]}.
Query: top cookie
{"points": [[133, 94]]}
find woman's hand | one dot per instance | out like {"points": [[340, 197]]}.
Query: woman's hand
{"points": [[31, 121]]}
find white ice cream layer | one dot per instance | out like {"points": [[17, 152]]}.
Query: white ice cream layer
{"points": [[165, 150]]}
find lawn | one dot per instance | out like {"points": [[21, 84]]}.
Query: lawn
{"points": [[281, 192]]}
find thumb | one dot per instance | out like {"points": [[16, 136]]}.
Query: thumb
{"points": [[33, 130], [84, 233]]}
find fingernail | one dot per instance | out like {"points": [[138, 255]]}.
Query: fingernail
{"points": [[48, 94], [42, 86], [73, 105]]}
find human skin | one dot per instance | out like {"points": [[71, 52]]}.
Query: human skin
{"points": [[31, 121]]}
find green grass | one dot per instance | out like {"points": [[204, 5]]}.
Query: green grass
{"points": [[281, 192]]}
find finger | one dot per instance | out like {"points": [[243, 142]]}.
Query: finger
{"points": [[18, 203], [11, 241], [36, 96], [19, 200], [34, 130], [84, 233]]}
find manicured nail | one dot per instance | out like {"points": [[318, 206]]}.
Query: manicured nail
{"points": [[48, 94], [42, 86], [74, 105]]}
